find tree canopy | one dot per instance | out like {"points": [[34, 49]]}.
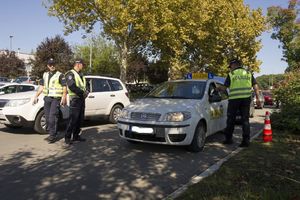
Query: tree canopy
{"points": [[186, 35], [104, 58], [56, 48], [286, 29], [265, 81], [11, 65]]}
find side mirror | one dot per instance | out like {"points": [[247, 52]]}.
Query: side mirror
{"points": [[2, 93], [215, 98]]}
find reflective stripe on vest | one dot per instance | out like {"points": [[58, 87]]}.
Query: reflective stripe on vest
{"points": [[52, 88], [240, 84], [79, 83]]}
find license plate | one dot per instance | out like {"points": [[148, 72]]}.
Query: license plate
{"points": [[142, 130]]}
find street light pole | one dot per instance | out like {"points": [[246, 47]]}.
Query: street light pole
{"points": [[10, 37], [91, 52]]}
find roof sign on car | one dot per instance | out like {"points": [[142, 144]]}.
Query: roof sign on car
{"points": [[199, 75]]}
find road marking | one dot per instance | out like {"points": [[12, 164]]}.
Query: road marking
{"points": [[209, 171]]}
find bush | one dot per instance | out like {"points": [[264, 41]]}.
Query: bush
{"points": [[288, 93]]}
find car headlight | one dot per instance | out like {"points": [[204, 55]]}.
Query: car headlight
{"points": [[177, 116], [125, 114], [17, 102]]}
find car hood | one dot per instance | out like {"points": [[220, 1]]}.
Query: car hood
{"points": [[20, 95], [162, 105]]}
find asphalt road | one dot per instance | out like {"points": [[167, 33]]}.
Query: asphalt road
{"points": [[103, 167]]}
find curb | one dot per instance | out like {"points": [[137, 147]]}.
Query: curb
{"points": [[209, 171]]}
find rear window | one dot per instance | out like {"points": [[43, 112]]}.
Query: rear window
{"points": [[115, 85]]}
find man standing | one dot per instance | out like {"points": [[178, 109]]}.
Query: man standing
{"points": [[240, 83], [53, 86], [77, 93]]}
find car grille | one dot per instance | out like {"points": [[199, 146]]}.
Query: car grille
{"points": [[145, 116], [3, 102], [138, 136]]}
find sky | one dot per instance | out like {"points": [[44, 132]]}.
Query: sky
{"points": [[28, 24]]}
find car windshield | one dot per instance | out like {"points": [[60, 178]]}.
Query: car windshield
{"points": [[21, 79], [179, 90]]}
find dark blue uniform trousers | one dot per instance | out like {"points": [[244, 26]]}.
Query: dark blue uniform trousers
{"points": [[77, 106], [243, 105], [51, 108]]}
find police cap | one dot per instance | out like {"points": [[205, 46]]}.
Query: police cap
{"points": [[234, 61], [79, 61], [51, 61]]}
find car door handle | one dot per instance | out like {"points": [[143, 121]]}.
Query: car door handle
{"points": [[112, 95], [91, 97]]}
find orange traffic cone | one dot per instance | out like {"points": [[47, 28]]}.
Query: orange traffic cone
{"points": [[267, 134]]}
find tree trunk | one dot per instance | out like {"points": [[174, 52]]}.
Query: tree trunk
{"points": [[124, 62]]}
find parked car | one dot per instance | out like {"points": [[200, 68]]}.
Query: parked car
{"points": [[261, 99], [268, 98], [26, 79], [8, 88], [107, 98], [4, 79], [182, 112]]}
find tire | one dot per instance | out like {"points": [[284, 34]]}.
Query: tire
{"points": [[40, 123], [12, 126], [198, 141], [114, 113]]}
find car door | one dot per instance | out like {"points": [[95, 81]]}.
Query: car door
{"points": [[215, 109], [224, 106], [99, 97]]}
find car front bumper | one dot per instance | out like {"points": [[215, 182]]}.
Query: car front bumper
{"points": [[170, 134], [14, 120]]}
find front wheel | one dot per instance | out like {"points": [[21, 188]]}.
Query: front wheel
{"points": [[199, 138], [40, 123], [115, 113]]}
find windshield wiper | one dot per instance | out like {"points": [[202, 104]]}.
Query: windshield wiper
{"points": [[175, 97], [151, 96]]}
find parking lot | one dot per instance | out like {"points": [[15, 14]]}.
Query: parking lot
{"points": [[103, 167]]}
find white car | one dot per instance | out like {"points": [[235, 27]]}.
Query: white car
{"points": [[8, 88], [182, 112], [107, 97]]}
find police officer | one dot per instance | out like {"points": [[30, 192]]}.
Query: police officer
{"points": [[77, 91], [53, 86], [240, 83]]}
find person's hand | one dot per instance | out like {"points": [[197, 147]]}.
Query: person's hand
{"points": [[86, 94], [35, 100], [63, 101], [258, 103]]}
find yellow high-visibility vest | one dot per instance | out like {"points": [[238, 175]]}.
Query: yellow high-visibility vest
{"points": [[240, 84], [81, 83], [52, 87]]}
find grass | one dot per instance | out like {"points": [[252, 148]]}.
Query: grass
{"points": [[262, 171]]}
